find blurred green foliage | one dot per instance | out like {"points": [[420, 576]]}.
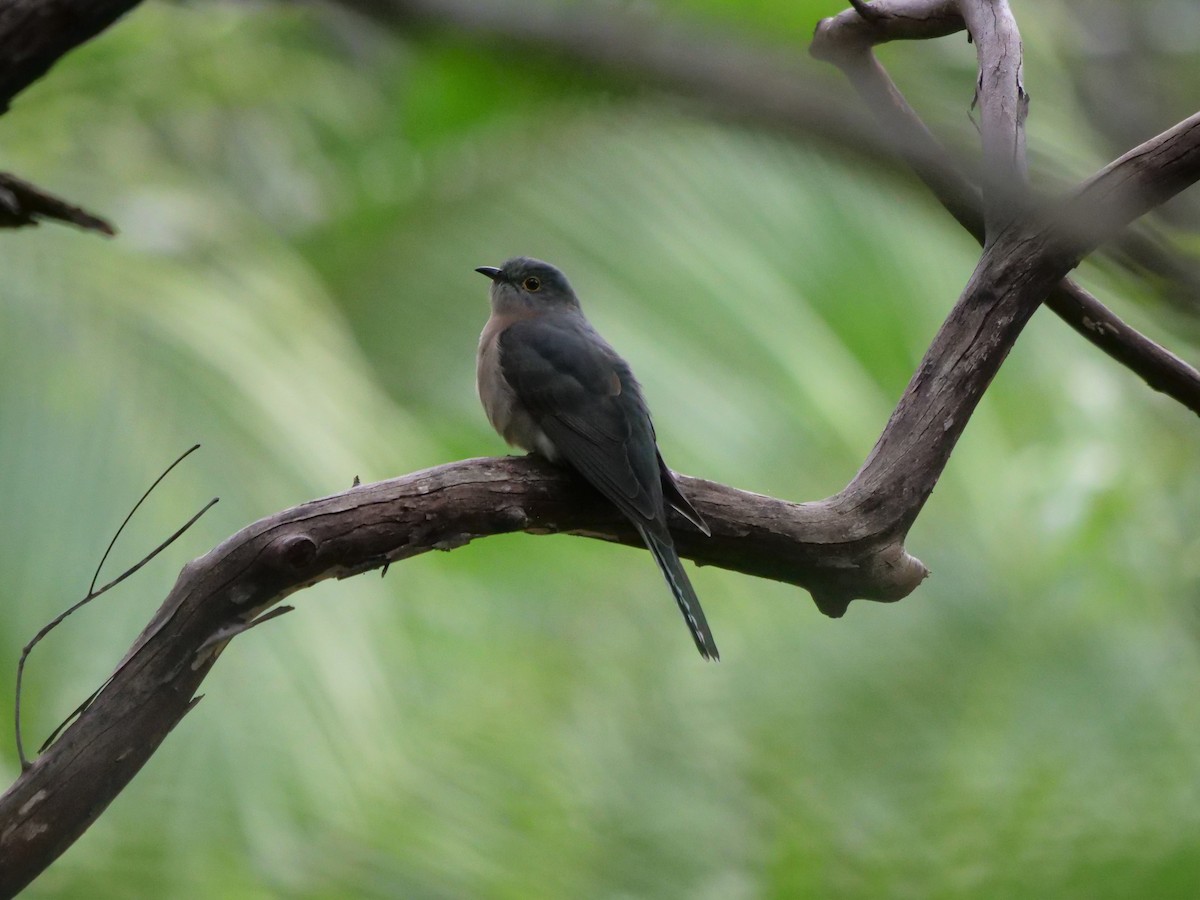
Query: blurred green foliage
{"points": [[302, 198]]}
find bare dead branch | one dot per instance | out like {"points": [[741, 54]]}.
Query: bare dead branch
{"points": [[93, 593], [1157, 366], [851, 33], [1130, 186], [845, 41]]}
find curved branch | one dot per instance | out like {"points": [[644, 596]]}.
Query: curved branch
{"points": [[220, 594], [889, 20], [22, 204]]}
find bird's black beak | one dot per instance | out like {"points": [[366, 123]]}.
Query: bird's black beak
{"points": [[490, 271]]}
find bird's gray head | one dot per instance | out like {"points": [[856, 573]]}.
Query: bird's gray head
{"points": [[525, 286]]}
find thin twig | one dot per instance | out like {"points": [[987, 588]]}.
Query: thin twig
{"points": [[149, 490], [91, 595], [23, 204], [79, 710]]}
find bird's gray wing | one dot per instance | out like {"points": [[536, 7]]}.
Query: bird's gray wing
{"points": [[585, 398]]}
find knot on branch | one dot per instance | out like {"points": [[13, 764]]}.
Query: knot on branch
{"points": [[294, 551], [513, 517], [834, 41], [888, 574]]}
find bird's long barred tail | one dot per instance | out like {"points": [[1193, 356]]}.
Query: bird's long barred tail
{"points": [[685, 595]]}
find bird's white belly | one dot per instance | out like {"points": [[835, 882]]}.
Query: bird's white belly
{"points": [[504, 410]]}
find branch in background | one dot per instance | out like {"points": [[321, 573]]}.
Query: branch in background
{"points": [[732, 80], [34, 34], [846, 40], [759, 86], [22, 203]]}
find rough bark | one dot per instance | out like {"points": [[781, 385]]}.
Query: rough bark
{"points": [[368, 526]]}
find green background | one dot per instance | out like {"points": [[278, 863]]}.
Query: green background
{"points": [[302, 197]]}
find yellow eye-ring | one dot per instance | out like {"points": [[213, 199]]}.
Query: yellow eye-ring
{"points": [[532, 284]]}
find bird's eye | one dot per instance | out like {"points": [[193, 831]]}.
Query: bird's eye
{"points": [[532, 284]]}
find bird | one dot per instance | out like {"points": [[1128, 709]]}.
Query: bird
{"points": [[551, 385]]}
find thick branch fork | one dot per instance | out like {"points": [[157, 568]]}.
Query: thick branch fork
{"points": [[846, 39], [1015, 272]]}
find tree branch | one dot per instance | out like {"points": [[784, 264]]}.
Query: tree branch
{"points": [[22, 204], [845, 41], [1008, 284], [893, 20], [1130, 186], [34, 34], [364, 528]]}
